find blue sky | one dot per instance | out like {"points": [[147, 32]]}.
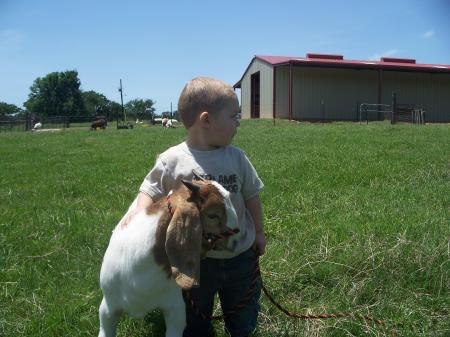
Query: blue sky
{"points": [[155, 47]]}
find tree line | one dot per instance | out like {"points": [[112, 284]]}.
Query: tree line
{"points": [[59, 94]]}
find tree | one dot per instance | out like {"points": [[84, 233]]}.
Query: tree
{"points": [[116, 110], [139, 108], [56, 94], [9, 109], [96, 104], [167, 114]]}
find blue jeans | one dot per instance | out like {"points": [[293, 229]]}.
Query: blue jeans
{"points": [[231, 278]]}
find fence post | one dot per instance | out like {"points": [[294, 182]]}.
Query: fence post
{"points": [[27, 117], [322, 103], [357, 111], [394, 107]]}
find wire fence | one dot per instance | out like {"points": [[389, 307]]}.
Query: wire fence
{"points": [[33, 123], [396, 112], [369, 111]]}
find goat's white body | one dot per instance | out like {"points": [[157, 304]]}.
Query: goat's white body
{"points": [[133, 282], [131, 279]]}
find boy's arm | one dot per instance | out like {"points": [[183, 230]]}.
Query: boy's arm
{"points": [[143, 201], [255, 208]]}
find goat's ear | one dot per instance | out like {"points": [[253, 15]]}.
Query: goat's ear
{"points": [[193, 187], [184, 244]]}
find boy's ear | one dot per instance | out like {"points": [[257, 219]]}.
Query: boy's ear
{"points": [[204, 118]]}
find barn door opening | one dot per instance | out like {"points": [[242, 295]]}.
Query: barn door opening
{"points": [[254, 111]]}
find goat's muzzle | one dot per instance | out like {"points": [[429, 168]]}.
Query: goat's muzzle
{"points": [[212, 238]]}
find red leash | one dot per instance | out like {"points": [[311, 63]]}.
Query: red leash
{"points": [[252, 289]]}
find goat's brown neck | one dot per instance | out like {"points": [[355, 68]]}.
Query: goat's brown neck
{"points": [[168, 205], [159, 249]]}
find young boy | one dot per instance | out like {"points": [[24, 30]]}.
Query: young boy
{"points": [[209, 110]]}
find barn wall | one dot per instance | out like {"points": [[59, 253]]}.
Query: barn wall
{"points": [[266, 89], [428, 91], [282, 92], [332, 94]]}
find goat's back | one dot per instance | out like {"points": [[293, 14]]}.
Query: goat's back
{"points": [[130, 278]]}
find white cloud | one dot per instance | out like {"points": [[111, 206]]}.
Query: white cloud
{"points": [[387, 53], [428, 35]]}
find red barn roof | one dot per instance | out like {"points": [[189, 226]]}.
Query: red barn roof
{"points": [[338, 61]]}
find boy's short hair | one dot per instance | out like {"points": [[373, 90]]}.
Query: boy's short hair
{"points": [[203, 94]]}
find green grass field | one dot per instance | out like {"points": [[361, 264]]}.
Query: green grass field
{"points": [[357, 219]]}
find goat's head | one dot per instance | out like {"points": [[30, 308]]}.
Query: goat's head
{"points": [[203, 219]]}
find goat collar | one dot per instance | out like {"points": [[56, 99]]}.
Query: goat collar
{"points": [[169, 205], [212, 238]]}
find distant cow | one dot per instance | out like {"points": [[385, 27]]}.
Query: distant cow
{"points": [[99, 123]]}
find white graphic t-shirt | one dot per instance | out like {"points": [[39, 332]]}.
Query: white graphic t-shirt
{"points": [[228, 165]]}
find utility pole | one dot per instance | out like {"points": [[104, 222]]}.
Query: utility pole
{"points": [[171, 116], [121, 102]]}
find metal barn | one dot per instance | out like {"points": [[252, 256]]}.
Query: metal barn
{"points": [[327, 87]]}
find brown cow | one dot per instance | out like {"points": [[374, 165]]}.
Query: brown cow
{"points": [[99, 123]]}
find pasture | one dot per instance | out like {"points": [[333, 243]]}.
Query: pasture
{"points": [[356, 217]]}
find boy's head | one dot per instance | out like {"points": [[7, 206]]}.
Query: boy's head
{"points": [[205, 94]]}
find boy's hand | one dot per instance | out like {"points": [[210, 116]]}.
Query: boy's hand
{"points": [[260, 243], [128, 217], [142, 201], [255, 209]]}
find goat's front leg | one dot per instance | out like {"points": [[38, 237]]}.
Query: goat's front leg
{"points": [[108, 320], [175, 317]]}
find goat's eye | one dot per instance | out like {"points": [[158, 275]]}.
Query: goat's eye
{"points": [[212, 216]]}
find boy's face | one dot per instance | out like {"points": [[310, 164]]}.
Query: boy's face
{"points": [[224, 123]]}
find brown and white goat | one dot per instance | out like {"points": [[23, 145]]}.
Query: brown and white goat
{"points": [[158, 253]]}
